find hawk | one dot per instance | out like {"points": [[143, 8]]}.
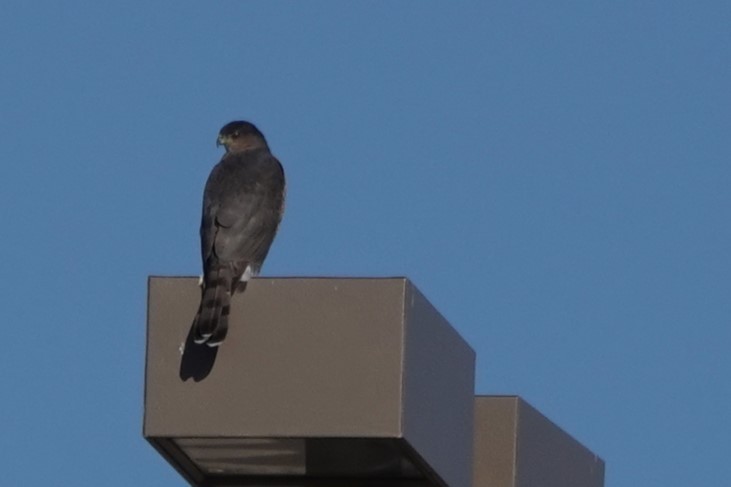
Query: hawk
{"points": [[243, 203]]}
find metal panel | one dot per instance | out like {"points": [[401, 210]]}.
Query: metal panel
{"points": [[516, 446], [436, 423], [495, 438], [548, 457], [304, 357]]}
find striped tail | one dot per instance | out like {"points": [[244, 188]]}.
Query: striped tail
{"points": [[211, 323]]}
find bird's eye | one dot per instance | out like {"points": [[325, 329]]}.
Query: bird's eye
{"points": [[236, 134]]}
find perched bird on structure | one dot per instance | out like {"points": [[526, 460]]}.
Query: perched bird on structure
{"points": [[243, 203]]}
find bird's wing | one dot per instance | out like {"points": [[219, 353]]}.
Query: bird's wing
{"points": [[242, 205]]}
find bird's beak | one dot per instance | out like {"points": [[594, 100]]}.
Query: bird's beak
{"points": [[221, 140]]}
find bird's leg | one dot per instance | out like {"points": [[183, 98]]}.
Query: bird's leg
{"points": [[248, 274]]}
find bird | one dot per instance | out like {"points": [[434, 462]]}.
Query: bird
{"points": [[243, 204]]}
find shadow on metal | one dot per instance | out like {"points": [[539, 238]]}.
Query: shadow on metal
{"points": [[196, 361]]}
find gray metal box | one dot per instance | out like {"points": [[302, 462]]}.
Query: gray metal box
{"points": [[516, 446], [320, 380]]}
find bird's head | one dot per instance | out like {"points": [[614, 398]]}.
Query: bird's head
{"points": [[240, 136]]}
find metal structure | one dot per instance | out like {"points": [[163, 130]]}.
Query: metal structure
{"points": [[332, 382], [340, 380], [516, 446]]}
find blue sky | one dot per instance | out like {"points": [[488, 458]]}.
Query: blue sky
{"points": [[554, 176]]}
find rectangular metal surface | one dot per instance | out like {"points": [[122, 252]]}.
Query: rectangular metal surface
{"points": [[516, 446], [495, 438], [364, 373], [303, 357], [547, 456], [438, 423]]}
